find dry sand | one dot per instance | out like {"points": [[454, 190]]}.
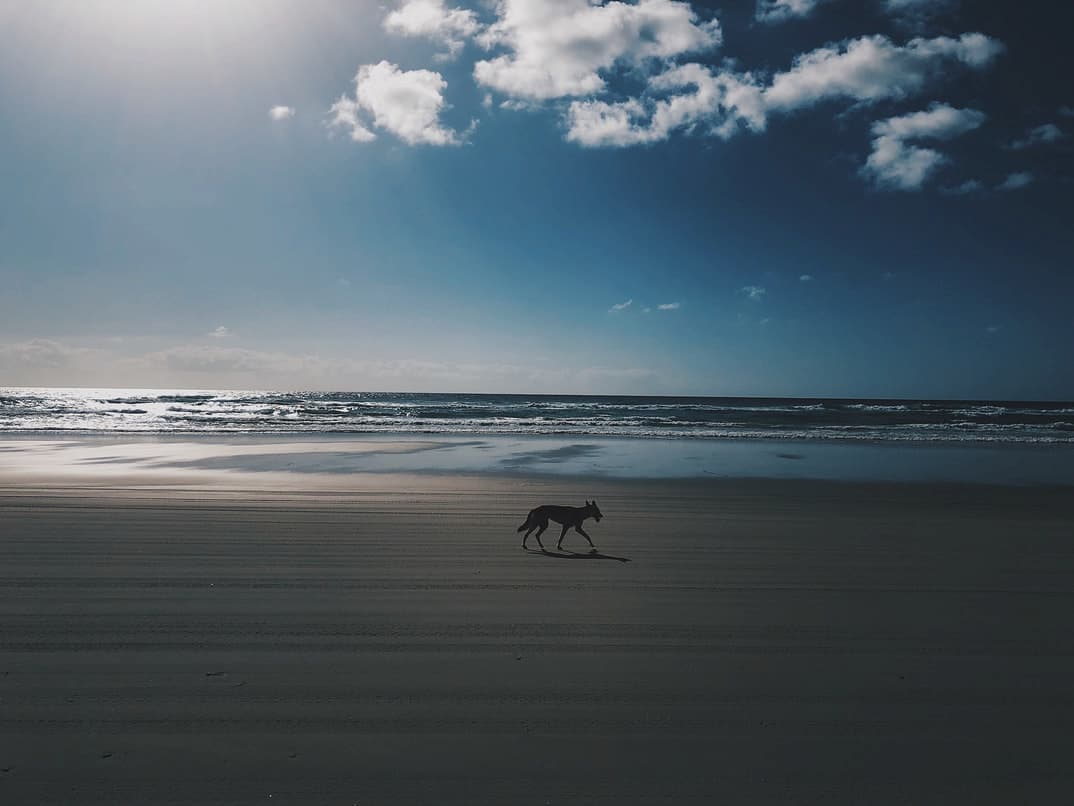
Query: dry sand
{"points": [[391, 643]]}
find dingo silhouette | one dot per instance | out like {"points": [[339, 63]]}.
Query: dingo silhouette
{"points": [[568, 516]]}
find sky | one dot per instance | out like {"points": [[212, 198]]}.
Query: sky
{"points": [[780, 198]]}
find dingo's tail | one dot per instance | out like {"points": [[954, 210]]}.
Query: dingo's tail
{"points": [[525, 525]]}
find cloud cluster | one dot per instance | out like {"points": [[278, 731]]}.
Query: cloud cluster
{"points": [[406, 103], [559, 48], [36, 353], [282, 112], [1015, 181], [1041, 135], [51, 363], [449, 27], [699, 99], [226, 360], [754, 292], [636, 72], [46, 362], [711, 103], [773, 11], [897, 164], [915, 14], [619, 307], [873, 68], [345, 114], [964, 189], [912, 14]]}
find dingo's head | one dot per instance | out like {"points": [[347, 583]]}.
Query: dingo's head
{"points": [[592, 510]]}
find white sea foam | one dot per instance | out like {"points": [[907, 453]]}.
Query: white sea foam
{"points": [[185, 411]]}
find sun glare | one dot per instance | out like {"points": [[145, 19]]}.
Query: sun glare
{"points": [[161, 24]]}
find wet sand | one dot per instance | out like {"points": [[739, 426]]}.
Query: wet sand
{"points": [[285, 640]]}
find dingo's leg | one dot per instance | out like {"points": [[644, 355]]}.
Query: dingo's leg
{"points": [[559, 544], [582, 532], [531, 528], [538, 535]]}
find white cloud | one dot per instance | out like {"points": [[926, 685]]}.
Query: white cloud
{"points": [[896, 165], [715, 104], [213, 366], [567, 49], [343, 114], [516, 105], [939, 121], [43, 362], [222, 332], [226, 360], [904, 6], [450, 27], [544, 50], [965, 189], [872, 68], [806, 278], [698, 99], [754, 292], [1046, 133], [773, 11], [405, 102], [37, 354], [558, 48], [1015, 181], [669, 306], [281, 112], [621, 306], [916, 13]]}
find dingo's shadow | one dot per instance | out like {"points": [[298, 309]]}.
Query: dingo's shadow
{"points": [[566, 554]]}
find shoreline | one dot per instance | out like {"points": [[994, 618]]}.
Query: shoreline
{"points": [[303, 455]]}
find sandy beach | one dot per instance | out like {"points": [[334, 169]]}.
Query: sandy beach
{"points": [[383, 638]]}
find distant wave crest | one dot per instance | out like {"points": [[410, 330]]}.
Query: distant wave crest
{"points": [[192, 412]]}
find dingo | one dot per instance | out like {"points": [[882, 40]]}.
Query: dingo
{"points": [[568, 516]]}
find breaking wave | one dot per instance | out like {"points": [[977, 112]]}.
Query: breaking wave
{"points": [[191, 412]]}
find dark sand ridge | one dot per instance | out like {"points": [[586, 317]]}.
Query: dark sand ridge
{"points": [[768, 642]]}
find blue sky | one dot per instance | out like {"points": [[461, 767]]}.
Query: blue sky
{"points": [[828, 198]]}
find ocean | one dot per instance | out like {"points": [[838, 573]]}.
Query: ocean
{"points": [[121, 411]]}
